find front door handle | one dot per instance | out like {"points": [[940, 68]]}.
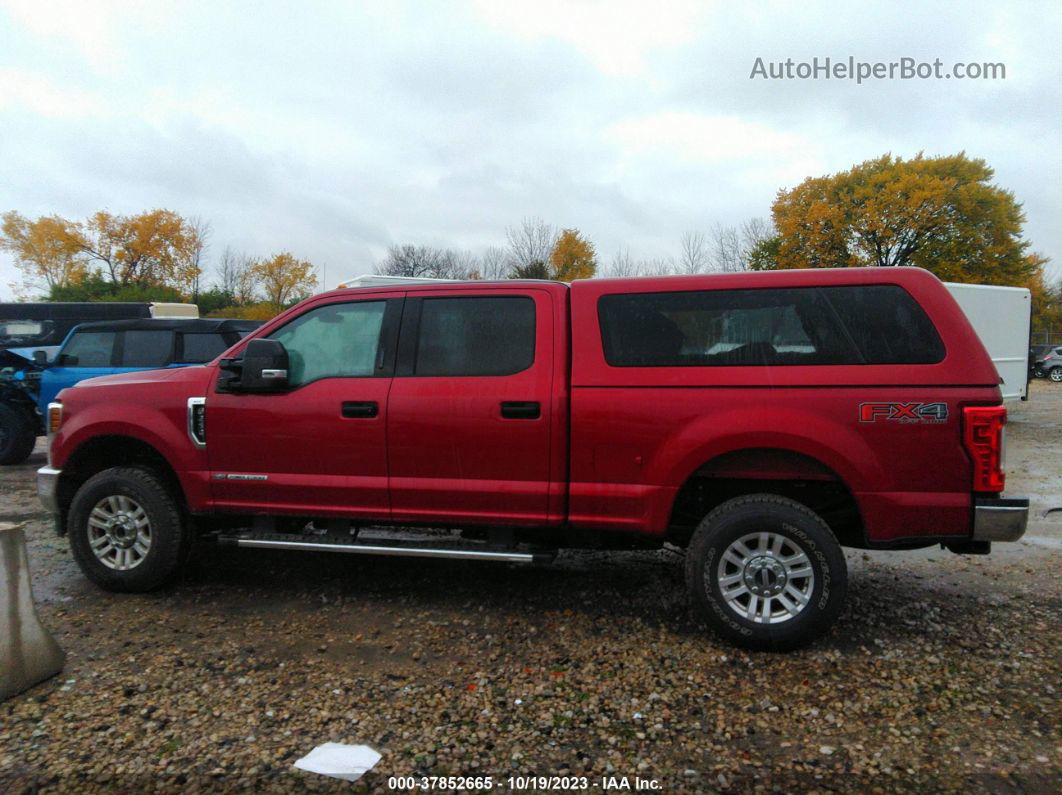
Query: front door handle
{"points": [[366, 409], [521, 409]]}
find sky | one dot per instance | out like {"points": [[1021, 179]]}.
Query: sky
{"points": [[333, 130]]}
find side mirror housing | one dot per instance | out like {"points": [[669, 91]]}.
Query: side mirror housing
{"points": [[265, 367], [40, 358]]}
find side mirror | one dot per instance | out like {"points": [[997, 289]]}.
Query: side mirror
{"points": [[40, 358], [265, 367]]}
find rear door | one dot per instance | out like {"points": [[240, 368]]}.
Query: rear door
{"points": [[471, 407]]}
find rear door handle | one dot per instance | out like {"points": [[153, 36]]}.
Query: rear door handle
{"points": [[521, 409], [360, 410]]}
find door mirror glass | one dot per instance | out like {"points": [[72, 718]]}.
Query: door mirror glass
{"points": [[40, 358]]}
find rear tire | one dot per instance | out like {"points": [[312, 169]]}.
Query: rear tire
{"points": [[126, 530], [766, 573], [17, 434]]}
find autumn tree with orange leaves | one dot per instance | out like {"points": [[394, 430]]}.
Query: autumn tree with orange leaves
{"points": [[573, 257], [939, 213], [155, 249], [284, 279], [47, 251]]}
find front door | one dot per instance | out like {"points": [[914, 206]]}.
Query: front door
{"points": [[318, 448], [89, 353], [469, 416]]}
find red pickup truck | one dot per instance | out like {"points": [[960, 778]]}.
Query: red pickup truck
{"points": [[758, 421]]}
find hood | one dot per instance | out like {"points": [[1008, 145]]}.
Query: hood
{"points": [[192, 374], [23, 357]]}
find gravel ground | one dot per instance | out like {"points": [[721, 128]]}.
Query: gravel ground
{"points": [[942, 674]]}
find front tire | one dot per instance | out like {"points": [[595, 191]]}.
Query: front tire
{"points": [[766, 573], [17, 435], [1055, 374], [126, 531]]}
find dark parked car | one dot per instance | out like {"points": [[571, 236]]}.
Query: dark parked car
{"points": [[1049, 364], [45, 324]]}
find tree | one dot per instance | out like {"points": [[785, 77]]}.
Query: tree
{"points": [[1046, 300], [573, 257], [234, 276], [427, 262], [726, 249], [199, 232], [284, 279], [939, 213], [532, 270], [531, 242], [693, 255], [156, 248], [623, 266], [46, 251], [764, 255], [494, 264]]}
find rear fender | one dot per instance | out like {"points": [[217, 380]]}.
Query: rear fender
{"points": [[840, 450]]}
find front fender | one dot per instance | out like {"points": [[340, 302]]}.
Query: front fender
{"points": [[165, 431]]}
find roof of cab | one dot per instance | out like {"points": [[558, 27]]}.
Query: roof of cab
{"points": [[189, 325]]}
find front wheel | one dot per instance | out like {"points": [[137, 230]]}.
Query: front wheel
{"points": [[126, 530], [18, 434], [1055, 374], [766, 573]]}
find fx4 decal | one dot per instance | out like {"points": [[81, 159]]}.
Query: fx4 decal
{"points": [[903, 412]]}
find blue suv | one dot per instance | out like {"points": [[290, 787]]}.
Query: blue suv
{"points": [[28, 381]]}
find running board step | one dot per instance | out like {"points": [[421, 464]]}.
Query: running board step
{"points": [[311, 544]]}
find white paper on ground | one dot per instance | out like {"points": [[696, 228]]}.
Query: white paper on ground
{"points": [[348, 762]]}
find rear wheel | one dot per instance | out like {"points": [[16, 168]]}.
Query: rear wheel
{"points": [[126, 531], [18, 434], [766, 573]]}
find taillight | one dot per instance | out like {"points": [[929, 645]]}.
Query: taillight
{"points": [[983, 435]]}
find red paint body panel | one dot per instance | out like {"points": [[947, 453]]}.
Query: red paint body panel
{"points": [[149, 406], [613, 445], [453, 454]]}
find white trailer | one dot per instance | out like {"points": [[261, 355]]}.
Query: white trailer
{"points": [[1001, 316]]}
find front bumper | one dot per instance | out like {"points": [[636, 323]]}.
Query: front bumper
{"points": [[1000, 519], [48, 488]]}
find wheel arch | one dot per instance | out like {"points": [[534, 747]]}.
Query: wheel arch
{"points": [[104, 452], [771, 470]]}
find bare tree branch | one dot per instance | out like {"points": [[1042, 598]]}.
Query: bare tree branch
{"points": [[693, 254]]}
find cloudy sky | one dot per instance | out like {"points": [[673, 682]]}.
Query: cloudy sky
{"points": [[339, 128]]}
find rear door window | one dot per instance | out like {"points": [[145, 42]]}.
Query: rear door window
{"points": [[147, 348], [475, 336], [199, 348]]}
